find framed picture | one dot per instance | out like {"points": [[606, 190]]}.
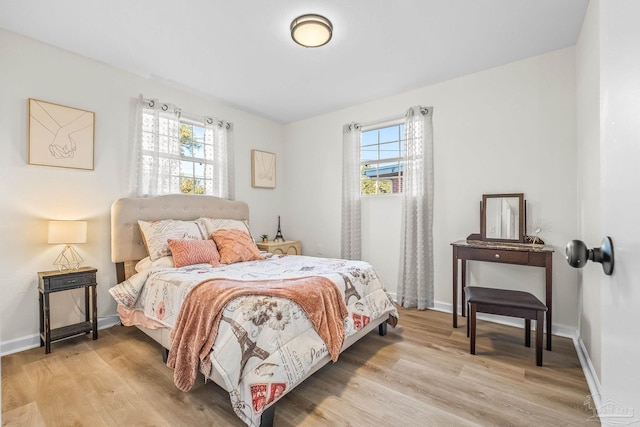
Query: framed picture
{"points": [[60, 136], [263, 169]]}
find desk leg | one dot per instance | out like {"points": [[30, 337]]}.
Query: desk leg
{"points": [[549, 294], [47, 325], [41, 301], [87, 307], [94, 310], [464, 284], [455, 287]]}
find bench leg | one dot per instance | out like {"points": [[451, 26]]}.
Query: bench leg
{"points": [[472, 319], [527, 332], [539, 328], [468, 309]]}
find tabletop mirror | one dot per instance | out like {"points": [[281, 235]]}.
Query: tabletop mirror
{"points": [[503, 217]]}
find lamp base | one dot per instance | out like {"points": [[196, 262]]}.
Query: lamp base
{"points": [[68, 259]]}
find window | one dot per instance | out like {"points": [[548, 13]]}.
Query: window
{"points": [[194, 174], [381, 159], [182, 155]]}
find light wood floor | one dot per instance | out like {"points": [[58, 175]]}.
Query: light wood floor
{"points": [[420, 373]]}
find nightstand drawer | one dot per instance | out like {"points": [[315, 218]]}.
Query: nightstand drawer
{"points": [[69, 281]]}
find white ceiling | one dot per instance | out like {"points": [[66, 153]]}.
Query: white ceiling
{"points": [[240, 51]]}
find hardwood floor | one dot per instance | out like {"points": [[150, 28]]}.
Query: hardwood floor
{"points": [[420, 373]]}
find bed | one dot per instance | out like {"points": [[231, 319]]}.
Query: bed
{"points": [[284, 317]]}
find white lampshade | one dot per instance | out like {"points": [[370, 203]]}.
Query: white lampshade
{"points": [[67, 232], [311, 30]]}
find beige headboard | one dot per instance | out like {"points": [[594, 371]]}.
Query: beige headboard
{"points": [[126, 241]]}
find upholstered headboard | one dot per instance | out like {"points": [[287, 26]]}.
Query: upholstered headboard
{"points": [[126, 240]]}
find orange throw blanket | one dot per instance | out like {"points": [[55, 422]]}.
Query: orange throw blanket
{"points": [[197, 324]]}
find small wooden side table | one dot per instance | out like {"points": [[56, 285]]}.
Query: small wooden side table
{"points": [[288, 247], [56, 281]]}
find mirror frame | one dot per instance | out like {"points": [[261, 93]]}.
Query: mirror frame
{"points": [[521, 217]]}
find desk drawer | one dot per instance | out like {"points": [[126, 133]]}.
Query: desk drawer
{"points": [[496, 255], [69, 282]]}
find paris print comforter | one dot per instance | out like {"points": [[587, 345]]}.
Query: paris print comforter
{"points": [[265, 345]]}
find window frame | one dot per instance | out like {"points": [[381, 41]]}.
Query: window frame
{"points": [[195, 160], [400, 160]]}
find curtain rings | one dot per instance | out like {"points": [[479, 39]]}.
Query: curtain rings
{"points": [[412, 111], [219, 123]]}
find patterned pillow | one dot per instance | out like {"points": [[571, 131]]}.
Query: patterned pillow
{"points": [[235, 246], [211, 225], [189, 252], [156, 234], [144, 263]]}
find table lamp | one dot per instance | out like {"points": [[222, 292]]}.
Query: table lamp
{"points": [[67, 232]]}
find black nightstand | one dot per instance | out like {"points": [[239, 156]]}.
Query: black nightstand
{"points": [[56, 281]]}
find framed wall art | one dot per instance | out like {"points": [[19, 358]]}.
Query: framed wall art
{"points": [[60, 136], [263, 169]]}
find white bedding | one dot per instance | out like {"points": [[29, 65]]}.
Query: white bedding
{"points": [[265, 345]]}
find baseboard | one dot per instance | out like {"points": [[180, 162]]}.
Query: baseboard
{"points": [[31, 341], [590, 374]]}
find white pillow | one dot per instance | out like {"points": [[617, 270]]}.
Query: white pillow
{"points": [[156, 234], [144, 263]]}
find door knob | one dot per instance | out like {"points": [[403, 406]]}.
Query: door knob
{"points": [[578, 254]]}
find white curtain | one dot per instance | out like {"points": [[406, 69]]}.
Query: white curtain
{"points": [[351, 233], [415, 278], [156, 159], [220, 172]]}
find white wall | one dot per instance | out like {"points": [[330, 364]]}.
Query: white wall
{"points": [[506, 129], [620, 186], [29, 195], [588, 155]]}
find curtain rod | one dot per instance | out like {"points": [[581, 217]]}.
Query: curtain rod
{"points": [[178, 111], [382, 122]]}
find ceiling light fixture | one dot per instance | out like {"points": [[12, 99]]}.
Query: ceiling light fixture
{"points": [[311, 30]]}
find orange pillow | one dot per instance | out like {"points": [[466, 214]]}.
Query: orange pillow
{"points": [[235, 246], [189, 252]]}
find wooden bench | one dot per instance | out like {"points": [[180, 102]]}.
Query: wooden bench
{"points": [[506, 303]]}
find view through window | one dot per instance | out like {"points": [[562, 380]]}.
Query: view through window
{"points": [[193, 152], [381, 159]]}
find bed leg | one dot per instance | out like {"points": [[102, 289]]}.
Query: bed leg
{"points": [[267, 416], [165, 355], [382, 328]]}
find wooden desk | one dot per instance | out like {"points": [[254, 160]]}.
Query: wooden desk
{"points": [[505, 253]]}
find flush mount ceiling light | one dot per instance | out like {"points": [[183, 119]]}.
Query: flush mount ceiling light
{"points": [[311, 30]]}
